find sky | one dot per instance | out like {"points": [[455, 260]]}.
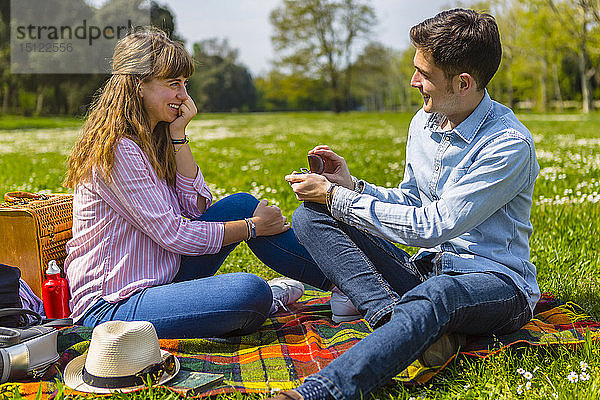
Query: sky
{"points": [[245, 23]]}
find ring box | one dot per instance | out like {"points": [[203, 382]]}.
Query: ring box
{"points": [[316, 164]]}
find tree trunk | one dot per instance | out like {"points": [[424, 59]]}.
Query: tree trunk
{"points": [[557, 94], [5, 98], [337, 106], [346, 76], [585, 82], [347, 84], [543, 96], [40, 101]]}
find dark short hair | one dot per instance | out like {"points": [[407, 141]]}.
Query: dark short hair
{"points": [[460, 41]]}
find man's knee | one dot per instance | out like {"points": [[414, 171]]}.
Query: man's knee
{"points": [[302, 220], [438, 295]]}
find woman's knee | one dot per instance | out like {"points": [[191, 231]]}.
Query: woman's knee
{"points": [[233, 207], [252, 292]]}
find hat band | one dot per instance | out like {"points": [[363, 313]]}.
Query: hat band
{"points": [[116, 382], [153, 372]]}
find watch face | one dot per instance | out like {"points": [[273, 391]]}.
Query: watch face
{"points": [[360, 186]]}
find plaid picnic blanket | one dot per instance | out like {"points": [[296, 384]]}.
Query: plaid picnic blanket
{"points": [[296, 343]]}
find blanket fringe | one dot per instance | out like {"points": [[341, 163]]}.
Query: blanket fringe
{"points": [[574, 312]]}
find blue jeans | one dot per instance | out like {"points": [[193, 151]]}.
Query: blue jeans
{"points": [[198, 304], [408, 306]]}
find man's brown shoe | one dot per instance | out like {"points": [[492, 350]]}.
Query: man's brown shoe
{"points": [[440, 352]]}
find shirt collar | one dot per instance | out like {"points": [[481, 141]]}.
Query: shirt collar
{"points": [[470, 126]]}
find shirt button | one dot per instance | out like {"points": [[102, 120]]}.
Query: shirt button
{"points": [[437, 167], [448, 138]]}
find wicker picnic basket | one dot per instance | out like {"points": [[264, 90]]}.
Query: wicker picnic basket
{"points": [[34, 229]]}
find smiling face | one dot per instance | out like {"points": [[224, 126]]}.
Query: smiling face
{"points": [[162, 99], [437, 90]]}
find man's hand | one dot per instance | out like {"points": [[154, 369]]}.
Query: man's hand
{"points": [[309, 187], [187, 111], [336, 169], [269, 220]]}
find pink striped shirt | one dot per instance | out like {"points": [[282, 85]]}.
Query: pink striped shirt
{"points": [[129, 234]]}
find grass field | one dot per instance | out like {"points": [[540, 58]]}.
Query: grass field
{"points": [[252, 153]]}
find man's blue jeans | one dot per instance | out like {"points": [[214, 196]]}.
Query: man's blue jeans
{"points": [[408, 310], [198, 304]]}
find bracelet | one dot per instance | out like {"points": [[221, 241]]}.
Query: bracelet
{"points": [[181, 141], [251, 227], [179, 148], [329, 195], [248, 230]]}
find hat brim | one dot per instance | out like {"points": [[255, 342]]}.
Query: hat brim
{"points": [[73, 376]]}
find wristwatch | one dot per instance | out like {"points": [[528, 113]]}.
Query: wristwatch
{"points": [[359, 185]]}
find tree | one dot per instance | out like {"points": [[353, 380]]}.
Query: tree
{"points": [[162, 17], [581, 19], [534, 44], [550, 48], [382, 79], [315, 38], [373, 77], [6, 80], [62, 93], [219, 82], [288, 92]]}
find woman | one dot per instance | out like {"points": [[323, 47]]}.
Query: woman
{"points": [[147, 240]]}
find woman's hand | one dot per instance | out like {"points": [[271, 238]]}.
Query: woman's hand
{"points": [[269, 220], [187, 111]]}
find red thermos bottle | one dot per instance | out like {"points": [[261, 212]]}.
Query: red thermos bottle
{"points": [[55, 293]]}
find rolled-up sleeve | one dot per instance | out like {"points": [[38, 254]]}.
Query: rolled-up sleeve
{"points": [[188, 190]]}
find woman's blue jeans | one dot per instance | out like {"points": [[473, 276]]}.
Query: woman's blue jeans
{"points": [[200, 304], [408, 310]]}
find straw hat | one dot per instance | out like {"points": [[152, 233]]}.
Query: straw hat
{"points": [[119, 358]]}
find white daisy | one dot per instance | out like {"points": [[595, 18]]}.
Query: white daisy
{"points": [[527, 375], [584, 377], [573, 377], [520, 389]]}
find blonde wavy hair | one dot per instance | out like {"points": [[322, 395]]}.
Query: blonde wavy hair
{"points": [[117, 111]]}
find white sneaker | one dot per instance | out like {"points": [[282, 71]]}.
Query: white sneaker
{"points": [[342, 309], [285, 291]]}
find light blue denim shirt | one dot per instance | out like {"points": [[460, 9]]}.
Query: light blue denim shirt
{"points": [[466, 193]]}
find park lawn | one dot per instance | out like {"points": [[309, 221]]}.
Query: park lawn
{"points": [[252, 153]]}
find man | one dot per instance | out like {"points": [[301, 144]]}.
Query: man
{"points": [[465, 200]]}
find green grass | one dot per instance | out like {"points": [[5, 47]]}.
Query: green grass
{"points": [[9, 122], [252, 153]]}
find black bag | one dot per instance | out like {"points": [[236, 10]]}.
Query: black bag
{"points": [[9, 296]]}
